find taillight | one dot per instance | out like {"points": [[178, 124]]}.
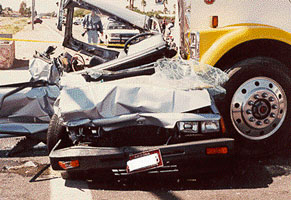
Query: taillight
{"points": [[69, 164], [216, 150]]}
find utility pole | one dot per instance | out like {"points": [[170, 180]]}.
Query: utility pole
{"points": [[32, 13]]}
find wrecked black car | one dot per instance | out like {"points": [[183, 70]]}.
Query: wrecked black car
{"points": [[140, 123], [136, 110]]}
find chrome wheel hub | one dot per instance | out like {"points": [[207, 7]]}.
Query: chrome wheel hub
{"points": [[258, 108]]}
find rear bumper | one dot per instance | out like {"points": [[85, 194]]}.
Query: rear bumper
{"points": [[99, 158]]}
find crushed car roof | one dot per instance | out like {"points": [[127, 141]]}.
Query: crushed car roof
{"points": [[133, 18]]}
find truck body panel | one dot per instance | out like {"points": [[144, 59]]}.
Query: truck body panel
{"points": [[268, 12], [214, 43]]}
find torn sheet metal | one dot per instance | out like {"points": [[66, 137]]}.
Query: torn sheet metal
{"points": [[30, 104], [24, 112], [42, 70], [22, 129]]}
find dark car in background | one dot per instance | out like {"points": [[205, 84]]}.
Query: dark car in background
{"points": [[36, 21]]}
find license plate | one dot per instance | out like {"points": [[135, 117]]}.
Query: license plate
{"points": [[144, 161]]}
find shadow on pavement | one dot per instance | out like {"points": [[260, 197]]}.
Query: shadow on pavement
{"points": [[20, 64], [31, 153], [247, 173], [38, 150]]}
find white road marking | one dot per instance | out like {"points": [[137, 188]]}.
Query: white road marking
{"points": [[69, 189]]}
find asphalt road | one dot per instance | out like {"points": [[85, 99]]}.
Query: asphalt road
{"points": [[268, 178]]}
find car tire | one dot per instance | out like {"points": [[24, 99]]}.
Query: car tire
{"points": [[56, 132], [258, 100]]}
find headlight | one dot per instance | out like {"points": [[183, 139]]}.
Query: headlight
{"points": [[210, 126], [195, 45], [190, 127], [114, 35]]}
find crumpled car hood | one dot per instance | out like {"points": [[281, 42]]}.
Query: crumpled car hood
{"points": [[160, 99], [126, 100]]}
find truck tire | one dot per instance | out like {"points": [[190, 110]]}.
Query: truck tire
{"points": [[257, 113], [56, 132]]}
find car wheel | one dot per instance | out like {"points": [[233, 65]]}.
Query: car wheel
{"points": [[258, 101], [56, 132]]}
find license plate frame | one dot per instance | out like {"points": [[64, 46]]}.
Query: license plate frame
{"points": [[144, 161]]}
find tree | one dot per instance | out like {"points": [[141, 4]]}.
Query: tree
{"points": [[81, 12], [143, 3], [22, 8], [8, 9], [28, 12]]}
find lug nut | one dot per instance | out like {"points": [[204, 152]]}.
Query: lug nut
{"points": [[273, 115], [274, 106], [266, 121], [259, 123], [264, 95], [249, 111], [271, 99], [251, 103], [251, 119], [256, 96]]}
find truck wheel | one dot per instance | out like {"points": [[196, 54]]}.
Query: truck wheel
{"points": [[258, 106], [56, 132]]}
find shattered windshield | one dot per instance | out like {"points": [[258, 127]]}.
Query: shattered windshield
{"points": [[190, 75]]}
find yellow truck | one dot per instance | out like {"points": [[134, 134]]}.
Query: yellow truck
{"points": [[251, 41]]}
